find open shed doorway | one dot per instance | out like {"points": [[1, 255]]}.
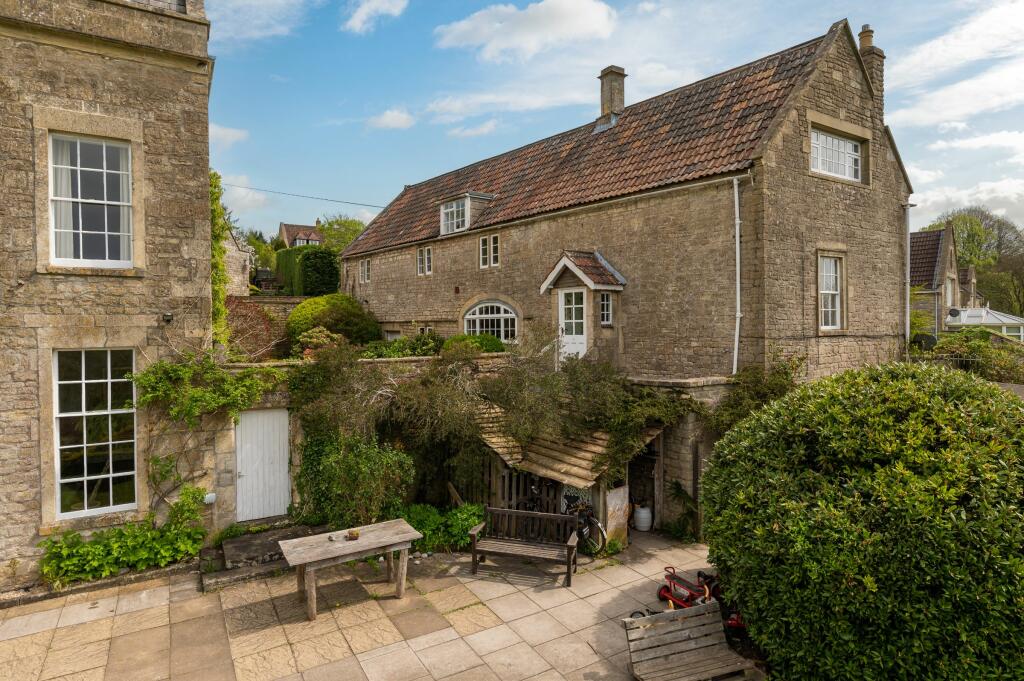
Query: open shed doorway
{"points": [[644, 477]]}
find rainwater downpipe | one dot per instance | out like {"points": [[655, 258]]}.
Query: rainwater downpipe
{"points": [[906, 266], [739, 313]]}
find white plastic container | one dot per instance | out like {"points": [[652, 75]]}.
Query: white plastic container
{"points": [[642, 518]]}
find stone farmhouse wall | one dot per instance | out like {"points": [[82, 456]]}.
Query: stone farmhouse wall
{"points": [[675, 318], [117, 70], [807, 214]]}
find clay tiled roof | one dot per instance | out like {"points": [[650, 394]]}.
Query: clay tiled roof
{"points": [[293, 232], [706, 128], [597, 268], [925, 256]]}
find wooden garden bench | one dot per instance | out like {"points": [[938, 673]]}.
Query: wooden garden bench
{"points": [[687, 644], [527, 534]]}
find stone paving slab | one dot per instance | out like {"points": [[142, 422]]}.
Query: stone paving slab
{"points": [[514, 621]]}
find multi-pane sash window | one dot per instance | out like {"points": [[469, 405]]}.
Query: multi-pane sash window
{"points": [[606, 308], [90, 202], [453, 216], [424, 260], [489, 256], [95, 429], [834, 155], [495, 319], [830, 282], [364, 271]]}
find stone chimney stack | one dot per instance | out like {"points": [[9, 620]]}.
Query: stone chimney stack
{"points": [[613, 90], [874, 60]]}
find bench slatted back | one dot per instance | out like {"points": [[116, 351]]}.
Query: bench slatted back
{"points": [[685, 643], [529, 526]]}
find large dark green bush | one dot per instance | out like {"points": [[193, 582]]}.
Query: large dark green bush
{"points": [[289, 269], [70, 558], [338, 313], [319, 271], [348, 481], [869, 526], [483, 342]]}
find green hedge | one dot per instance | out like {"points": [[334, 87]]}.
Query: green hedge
{"points": [[289, 269], [484, 342], [338, 313], [319, 271], [869, 526]]}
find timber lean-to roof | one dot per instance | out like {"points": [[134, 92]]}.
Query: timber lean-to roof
{"points": [[569, 461], [710, 127]]}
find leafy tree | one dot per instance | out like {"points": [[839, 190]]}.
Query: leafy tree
{"points": [[263, 250], [340, 230], [277, 243], [974, 241]]}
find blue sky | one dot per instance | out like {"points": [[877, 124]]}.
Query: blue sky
{"points": [[352, 99]]}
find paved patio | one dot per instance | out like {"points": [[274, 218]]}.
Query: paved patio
{"points": [[513, 621]]}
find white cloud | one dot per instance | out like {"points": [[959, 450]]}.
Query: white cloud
{"points": [[485, 128], [657, 54], [953, 126], [242, 200], [366, 12], [501, 31], [225, 138], [1005, 196], [999, 88], [992, 33], [393, 119], [365, 214], [235, 22], [919, 175], [1008, 140]]}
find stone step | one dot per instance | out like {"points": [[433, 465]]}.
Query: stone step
{"points": [[218, 580], [260, 548]]}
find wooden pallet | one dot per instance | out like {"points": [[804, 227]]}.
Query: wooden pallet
{"points": [[687, 644]]}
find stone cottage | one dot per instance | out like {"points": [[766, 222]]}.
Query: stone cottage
{"points": [[759, 210], [105, 252], [934, 276]]}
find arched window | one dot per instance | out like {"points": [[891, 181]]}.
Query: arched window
{"points": [[496, 319]]}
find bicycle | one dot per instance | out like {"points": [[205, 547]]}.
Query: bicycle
{"points": [[590, 533]]}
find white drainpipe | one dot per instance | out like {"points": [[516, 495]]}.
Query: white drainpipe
{"points": [[739, 313], [906, 265]]}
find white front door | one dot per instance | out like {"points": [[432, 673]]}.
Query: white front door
{"points": [[262, 486], [572, 324]]}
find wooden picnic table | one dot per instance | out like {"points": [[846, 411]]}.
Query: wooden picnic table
{"points": [[309, 554]]}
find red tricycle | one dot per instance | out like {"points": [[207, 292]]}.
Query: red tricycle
{"points": [[682, 593]]}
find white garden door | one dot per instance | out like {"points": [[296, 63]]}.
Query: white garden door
{"points": [[572, 309], [262, 486]]}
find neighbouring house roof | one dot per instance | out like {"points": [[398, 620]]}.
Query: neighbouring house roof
{"points": [[926, 251], [569, 461], [592, 269], [983, 316], [292, 232], [713, 126]]}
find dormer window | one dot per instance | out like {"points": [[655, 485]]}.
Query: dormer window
{"points": [[455, 215]]}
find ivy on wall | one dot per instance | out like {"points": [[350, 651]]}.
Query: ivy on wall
{"points": [[220, 230]]}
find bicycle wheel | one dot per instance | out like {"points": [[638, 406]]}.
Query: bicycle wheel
{"points": [[597, 539]]}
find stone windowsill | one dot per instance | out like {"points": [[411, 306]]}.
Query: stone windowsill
{"points": [[133, 273], [93, 522]]}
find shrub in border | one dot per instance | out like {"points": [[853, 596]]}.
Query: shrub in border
{"points": [[338, 313], [869, 526], [483, 342]]}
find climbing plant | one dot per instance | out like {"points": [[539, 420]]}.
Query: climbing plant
{"points": [[220, 229], [186, 389]]}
